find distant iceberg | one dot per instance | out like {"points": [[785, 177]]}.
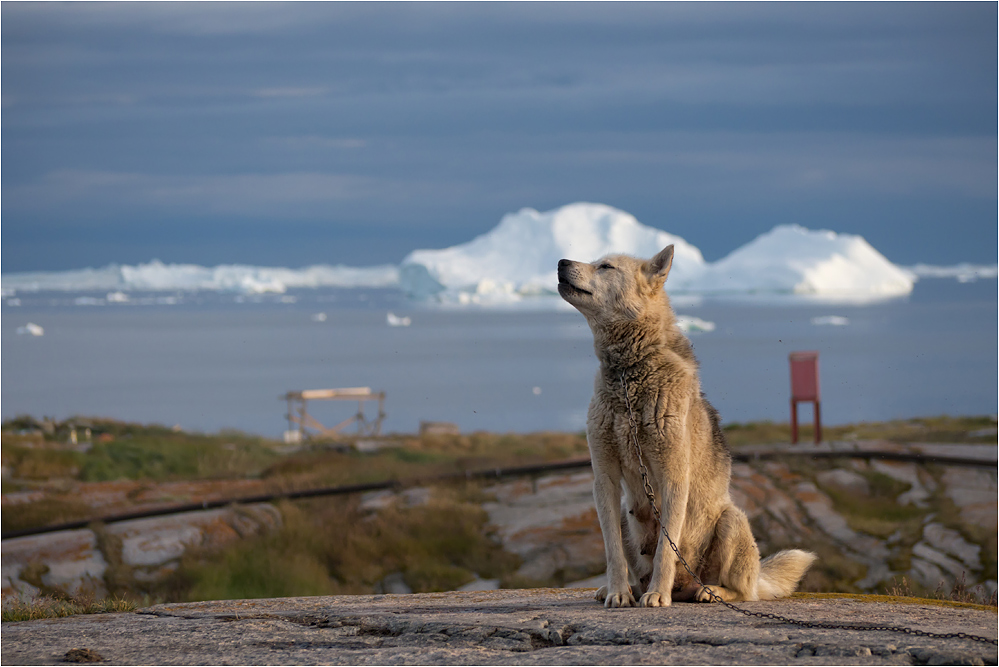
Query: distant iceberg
{"points": [[116, 297], [394, 320], [963, 273], [519, 257], [830, 320], [31, 329], [516, 261], [157, 276], [689, 324], [790, 259]]}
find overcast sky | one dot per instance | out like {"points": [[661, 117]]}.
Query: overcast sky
{"points": [[292, 134]]}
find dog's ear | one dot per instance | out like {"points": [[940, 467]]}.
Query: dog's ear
{"points": [[659, 265]]}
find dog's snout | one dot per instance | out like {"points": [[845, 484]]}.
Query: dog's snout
{"points": [[562, 263]]}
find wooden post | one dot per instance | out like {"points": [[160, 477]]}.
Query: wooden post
{"points": [[794, 421], [818, 423]]}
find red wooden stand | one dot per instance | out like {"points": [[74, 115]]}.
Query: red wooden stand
{"points": [[805, 388]]}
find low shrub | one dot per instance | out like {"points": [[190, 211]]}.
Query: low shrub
{"points": [[39, 463], [330, 547], [44, 512]]}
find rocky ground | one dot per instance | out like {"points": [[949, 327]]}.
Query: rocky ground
{"points": [[509, 627], [871, 523], [551, 523]]}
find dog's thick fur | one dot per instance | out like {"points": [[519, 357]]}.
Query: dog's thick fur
{"points": [[689, 464]]}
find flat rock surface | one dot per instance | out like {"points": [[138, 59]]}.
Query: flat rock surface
{"points": [[539, 626]]}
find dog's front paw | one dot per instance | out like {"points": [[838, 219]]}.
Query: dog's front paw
{"points": [[601, 594], [654, 599], [622, 599]]}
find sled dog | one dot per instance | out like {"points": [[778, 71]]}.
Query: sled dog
{"points": [[642, 352]]}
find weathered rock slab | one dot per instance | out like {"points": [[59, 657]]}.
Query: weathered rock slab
{"points": [[73, 560], [515, 627]]}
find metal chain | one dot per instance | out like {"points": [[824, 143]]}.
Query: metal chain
{"points": [[650, 493]]}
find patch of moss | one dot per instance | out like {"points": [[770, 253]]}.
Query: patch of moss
{"points": [[41, 463], [927, 429], [16, 610], [878, 513], [44, 512], [119, 578], [329, 547], [890, 599], [167, 458], [122, 450], [832, 570], [901, 561], [988, 537], [884, 527]]}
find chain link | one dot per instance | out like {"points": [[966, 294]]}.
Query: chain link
{"points": [[650, 493]]}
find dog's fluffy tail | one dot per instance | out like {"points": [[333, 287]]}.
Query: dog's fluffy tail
{"points": [[781, 572]]}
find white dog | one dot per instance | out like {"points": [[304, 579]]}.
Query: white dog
{"points": [[648, 370]]}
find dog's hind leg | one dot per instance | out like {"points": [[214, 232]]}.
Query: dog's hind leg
{"points": [[738, 559]]}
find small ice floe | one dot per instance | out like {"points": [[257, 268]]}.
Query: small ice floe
{"points": [[32, 329], [536, 391], [830, 320], [287, 298], [963, 273], [88, 301], [690, 324], [13, 302], [116, 297], [396, 321], [255, 285], [318, 317]]}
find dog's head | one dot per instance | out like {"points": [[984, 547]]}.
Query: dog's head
{"points": [[615, 287]]}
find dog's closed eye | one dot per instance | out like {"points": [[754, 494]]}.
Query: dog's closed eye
{"points": [[604, 266]]}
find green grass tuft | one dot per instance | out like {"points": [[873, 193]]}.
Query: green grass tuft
{"points": [[44, 512], [16, 610], [331, 547], [925, 429]]}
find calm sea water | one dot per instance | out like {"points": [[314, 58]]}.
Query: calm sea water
{"points": [[207, 362]]}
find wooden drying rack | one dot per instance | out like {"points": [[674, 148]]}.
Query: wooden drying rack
{"points": [[308, 427]]}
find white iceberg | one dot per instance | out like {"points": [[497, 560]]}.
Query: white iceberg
{"points": [[157, 276], [690, 324], [396, 321], [830, 320], [517, 260], [963, 273], [31, 329], [116, 297], [519, 257], [790, 259]]}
